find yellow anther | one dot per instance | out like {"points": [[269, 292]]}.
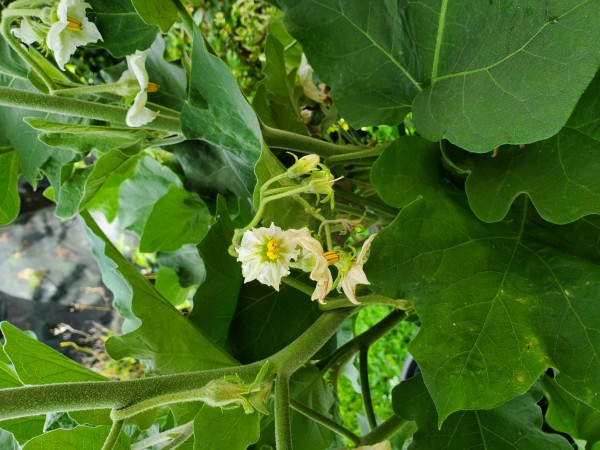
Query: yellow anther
{"points": [[272, 249], [152, 87], [74, 24], [331, 257]]}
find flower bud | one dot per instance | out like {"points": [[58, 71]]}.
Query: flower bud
{"points": [[304, 165]]}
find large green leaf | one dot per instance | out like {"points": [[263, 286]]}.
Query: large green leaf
{"points": [[157, 12], [156, 332], [10, 63], [530, 62], [9, 178], [123, 31], [558, 174], [24, 428], [231, 429], [216, 299], [569, 415], [87, 438], [179, 217], [515, 425], [217, 112], [498, 303]]}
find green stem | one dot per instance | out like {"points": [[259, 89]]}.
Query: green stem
{"points": [[448, 161], [365, 389], [162, 437], [185, 17], [313, 212], [283, 420], [379, 207], [74, 107], [375, 151], [302, 287], [16, 46], [183, 436], [367, 338], [303, 144], [113, 435], [325, 421], [89, 89], [372, 299], [384, 431], [58, 397]]}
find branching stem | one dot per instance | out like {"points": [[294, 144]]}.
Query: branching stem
{"points": [[113, 435], [325, 421]]}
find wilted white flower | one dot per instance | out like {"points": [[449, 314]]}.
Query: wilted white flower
{"points": [[305, 72], [71, 30], [27, 33], [265, 254], [354, 274], [138, 115]]}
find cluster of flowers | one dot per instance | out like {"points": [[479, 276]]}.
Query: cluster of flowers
{"points": [[267, 254], [65, 27]]}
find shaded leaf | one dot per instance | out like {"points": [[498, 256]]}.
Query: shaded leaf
{"points": [[231, 429], [186, 263], [156, 332], [217, 112], [87, 438], [123, 31], [515, 425]]}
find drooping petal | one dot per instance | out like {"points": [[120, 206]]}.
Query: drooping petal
{"points": [[26, 33], [138, 115]]}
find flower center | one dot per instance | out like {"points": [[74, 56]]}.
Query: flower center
{"points": [[272, 249], [74, 24], [331, 257], [152, 87]]}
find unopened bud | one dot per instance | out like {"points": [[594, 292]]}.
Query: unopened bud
{"points": [[304, 165]]}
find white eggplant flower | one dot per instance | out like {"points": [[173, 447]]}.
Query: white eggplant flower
{"points": [[265, 254], [27, 33], [71, 30], [355, 275], [312, 256], [138, 115]]}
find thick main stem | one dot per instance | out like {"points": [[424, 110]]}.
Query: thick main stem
{"points": [[73, 107]]}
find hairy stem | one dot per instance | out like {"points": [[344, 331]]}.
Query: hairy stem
{"points": [[366, 153], [113, 435], [283, 420], [303, 144], [325, 421], [384, 431], [73, 107], [162, 437], [365, 389]]}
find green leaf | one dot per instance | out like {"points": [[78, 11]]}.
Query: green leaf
{"points": [[382, 57], [569, 415], [84, 138], [11, 64], [216, 299], [36, 363], [9, 180], [515, 425], [24, 428], [177, 218], [231, 429], [171, 78], [167, 284], [83, 184], [157, 12], [123, 31], [217, 112], [79, 437], [558, 174], [138, 194], [407, 168], [498, 303], [267, 320], [156, 332], [186, 263]]}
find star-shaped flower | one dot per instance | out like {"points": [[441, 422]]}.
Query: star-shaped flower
{"points": [[71, 30]]}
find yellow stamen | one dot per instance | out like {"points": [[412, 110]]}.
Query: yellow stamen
{"points": [[331, 257], [272, 249], [74, 24], [152, 87]]}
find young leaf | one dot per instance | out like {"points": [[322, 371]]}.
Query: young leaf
{"points": [[157, 12], [381, 57], [179, 217], [156, 332], [123, 31], [498, 303], [231, 429], [217, 112], [515, 425], [10, 201]]}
